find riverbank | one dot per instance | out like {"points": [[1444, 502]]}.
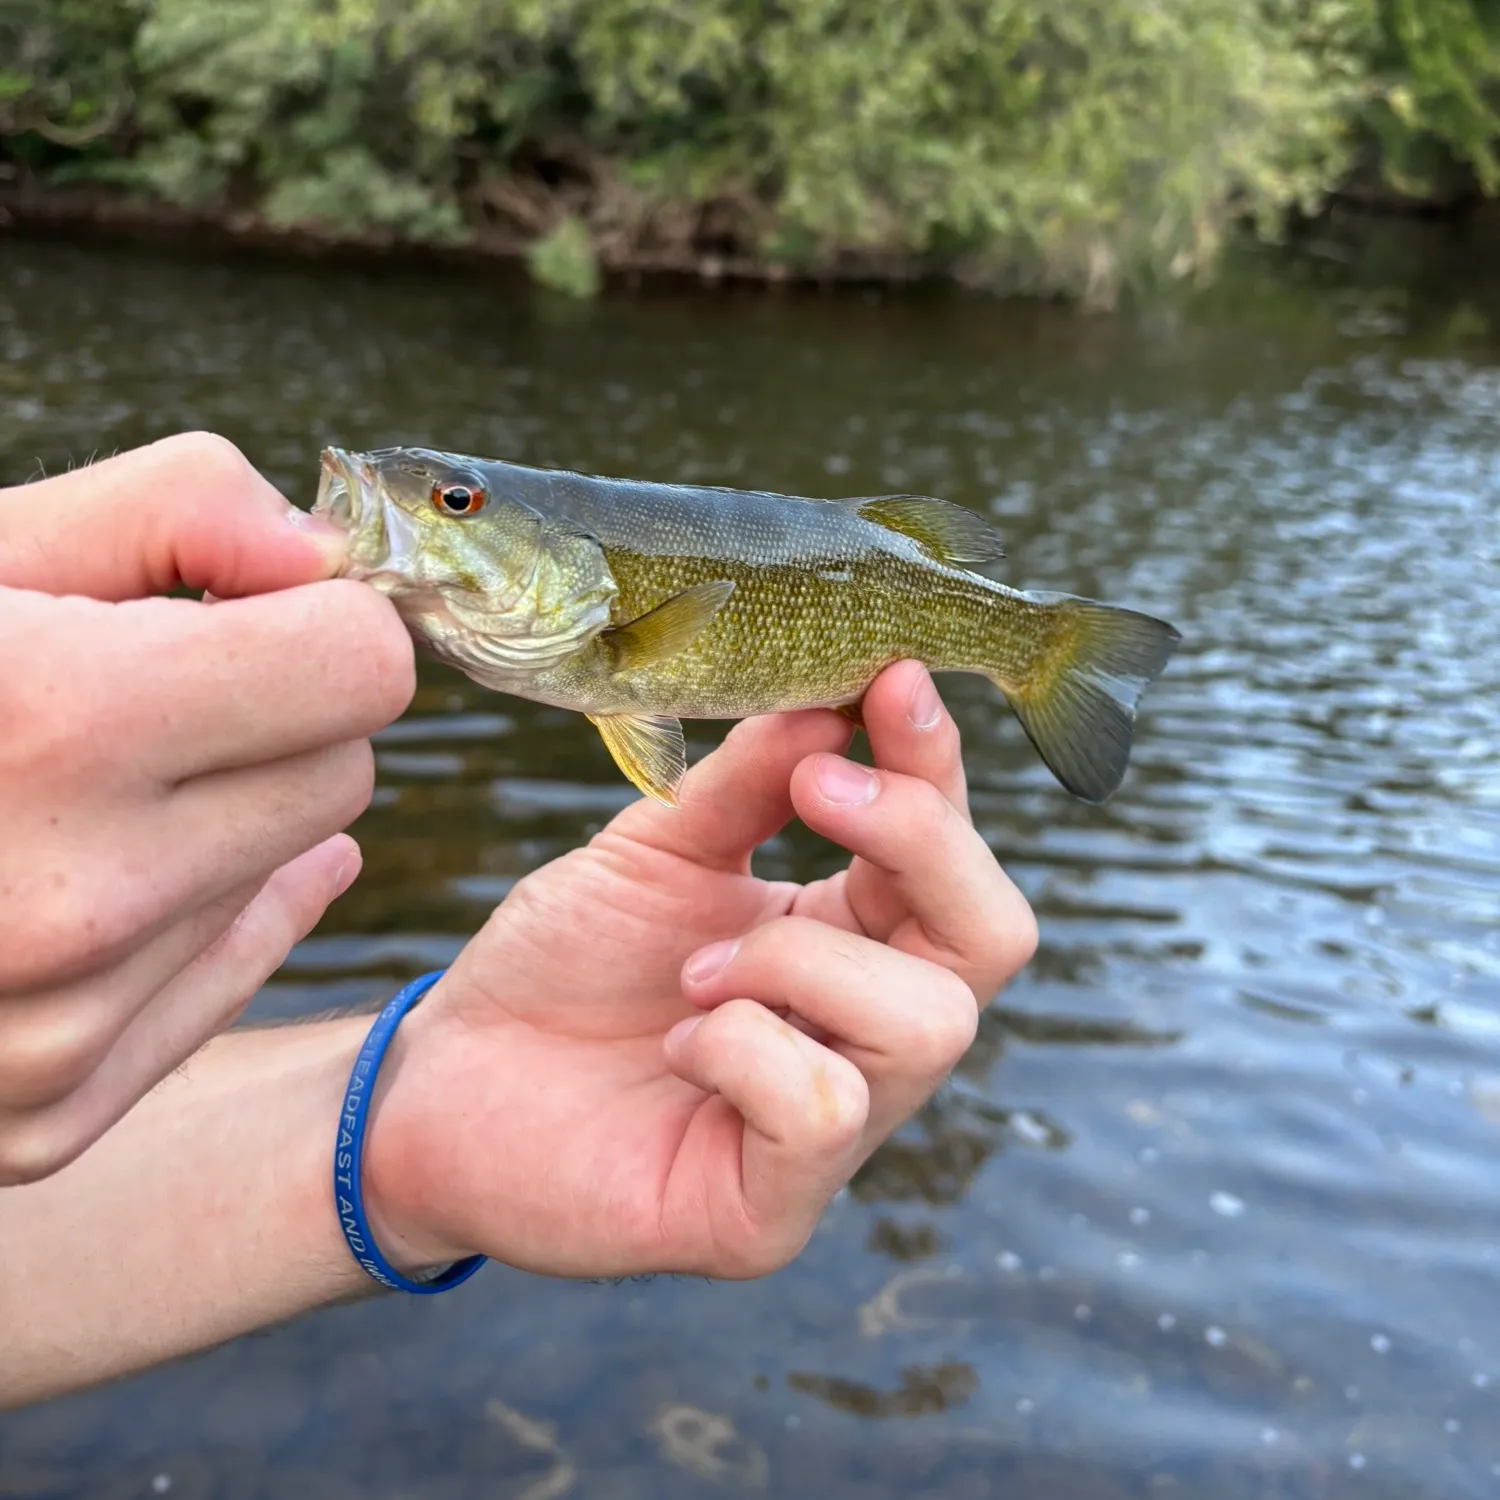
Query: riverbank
{"points": [[1078, 149], [1357, 225], [87, 211]]}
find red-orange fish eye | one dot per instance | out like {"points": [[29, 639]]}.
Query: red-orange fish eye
{"points": [[458, 499]]}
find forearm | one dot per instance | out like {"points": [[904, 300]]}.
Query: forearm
{"points": [[207, 1212]]}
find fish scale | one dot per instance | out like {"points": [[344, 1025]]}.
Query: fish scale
{"points": [[796, 637], [835, 635]]}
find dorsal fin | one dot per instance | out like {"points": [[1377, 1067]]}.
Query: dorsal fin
{"points": [[948, 533]]}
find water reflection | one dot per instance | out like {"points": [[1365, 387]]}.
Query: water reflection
{"points": [[921, 1391], [1210, 1208], [906, 1242]]}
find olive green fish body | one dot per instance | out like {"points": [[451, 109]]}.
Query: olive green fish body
{"points": [[823, 599], [641, 604]]}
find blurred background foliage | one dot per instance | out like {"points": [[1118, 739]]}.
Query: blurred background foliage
{"points": [[1057, 146]]}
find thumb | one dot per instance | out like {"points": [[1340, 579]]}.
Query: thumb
{"points": [[187, 511]]}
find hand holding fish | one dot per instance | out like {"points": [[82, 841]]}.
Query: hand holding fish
{"points": [[599, 1084], [651, 1060], [173, 776]]}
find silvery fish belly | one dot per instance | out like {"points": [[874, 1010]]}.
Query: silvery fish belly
{"points": [[643, 604]]}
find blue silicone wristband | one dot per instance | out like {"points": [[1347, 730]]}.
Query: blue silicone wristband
{"points": [[348, 1156]]}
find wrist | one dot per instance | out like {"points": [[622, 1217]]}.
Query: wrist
{"points": [[401, 1181]]}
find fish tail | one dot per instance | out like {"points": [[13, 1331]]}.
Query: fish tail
{"points": [[1076, 694]]}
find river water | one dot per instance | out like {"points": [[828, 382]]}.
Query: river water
{"points": [[1212, 1209]]}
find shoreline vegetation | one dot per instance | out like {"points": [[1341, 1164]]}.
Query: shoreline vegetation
{"points": [[1080, 149]]}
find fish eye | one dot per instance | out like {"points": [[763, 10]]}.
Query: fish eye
{"points": [[458, 499]]}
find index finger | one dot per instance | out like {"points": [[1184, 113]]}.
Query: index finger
{"points": [[253, 680], [189, 510], [962, 910]]}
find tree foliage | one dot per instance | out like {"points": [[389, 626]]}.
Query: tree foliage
{"points": [[1438, 102], [1042, 144]]}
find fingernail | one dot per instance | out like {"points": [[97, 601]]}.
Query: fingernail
{"points": [[707, 962], [329, 540], [845, 781], [348, 873], [925, 708], [682, 1031]]}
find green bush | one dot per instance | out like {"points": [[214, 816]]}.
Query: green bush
{"points": [[1437, 102], [564, 259], [65, 80], [1047, 145]]}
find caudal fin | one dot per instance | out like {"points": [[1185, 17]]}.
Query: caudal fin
{"points": [[1077, 699]]}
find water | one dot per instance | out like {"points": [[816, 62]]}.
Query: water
{"points": [[1211, 1207]]}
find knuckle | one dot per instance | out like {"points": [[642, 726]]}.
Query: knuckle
{"points": [[353, 766], [918, 815], [945, 739], [842, 1101], [763, 1254], [36, 1147], [944, 1027], [736, 1023], [394, 661], [932, 815], [381, 643], [748, 1244], [1011, 941], [1022, 938], [77, 926], [213, 462], [320, 794], [50, 1056], [849, 950], [763, 956]]}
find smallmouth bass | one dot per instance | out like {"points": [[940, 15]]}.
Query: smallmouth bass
{"points": [[642, 604]]}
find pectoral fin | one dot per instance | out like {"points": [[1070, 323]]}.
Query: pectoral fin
{"points": [[948, 533], [649, 749], [667, 629]]}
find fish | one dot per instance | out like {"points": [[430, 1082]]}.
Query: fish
{"points": [[640, 604]]}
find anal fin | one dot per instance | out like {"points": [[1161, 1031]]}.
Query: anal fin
{"points": [[648, 748]]}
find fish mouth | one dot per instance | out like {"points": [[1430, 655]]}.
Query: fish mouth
{"points": [[341, 495], [383, 542]]}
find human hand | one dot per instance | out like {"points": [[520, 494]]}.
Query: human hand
{"points": [[172, 775], [651, 1060]]}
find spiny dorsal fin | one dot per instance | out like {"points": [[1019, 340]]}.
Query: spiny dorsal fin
{"points": [[667, 629], [948, 533], [649, 749]]}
